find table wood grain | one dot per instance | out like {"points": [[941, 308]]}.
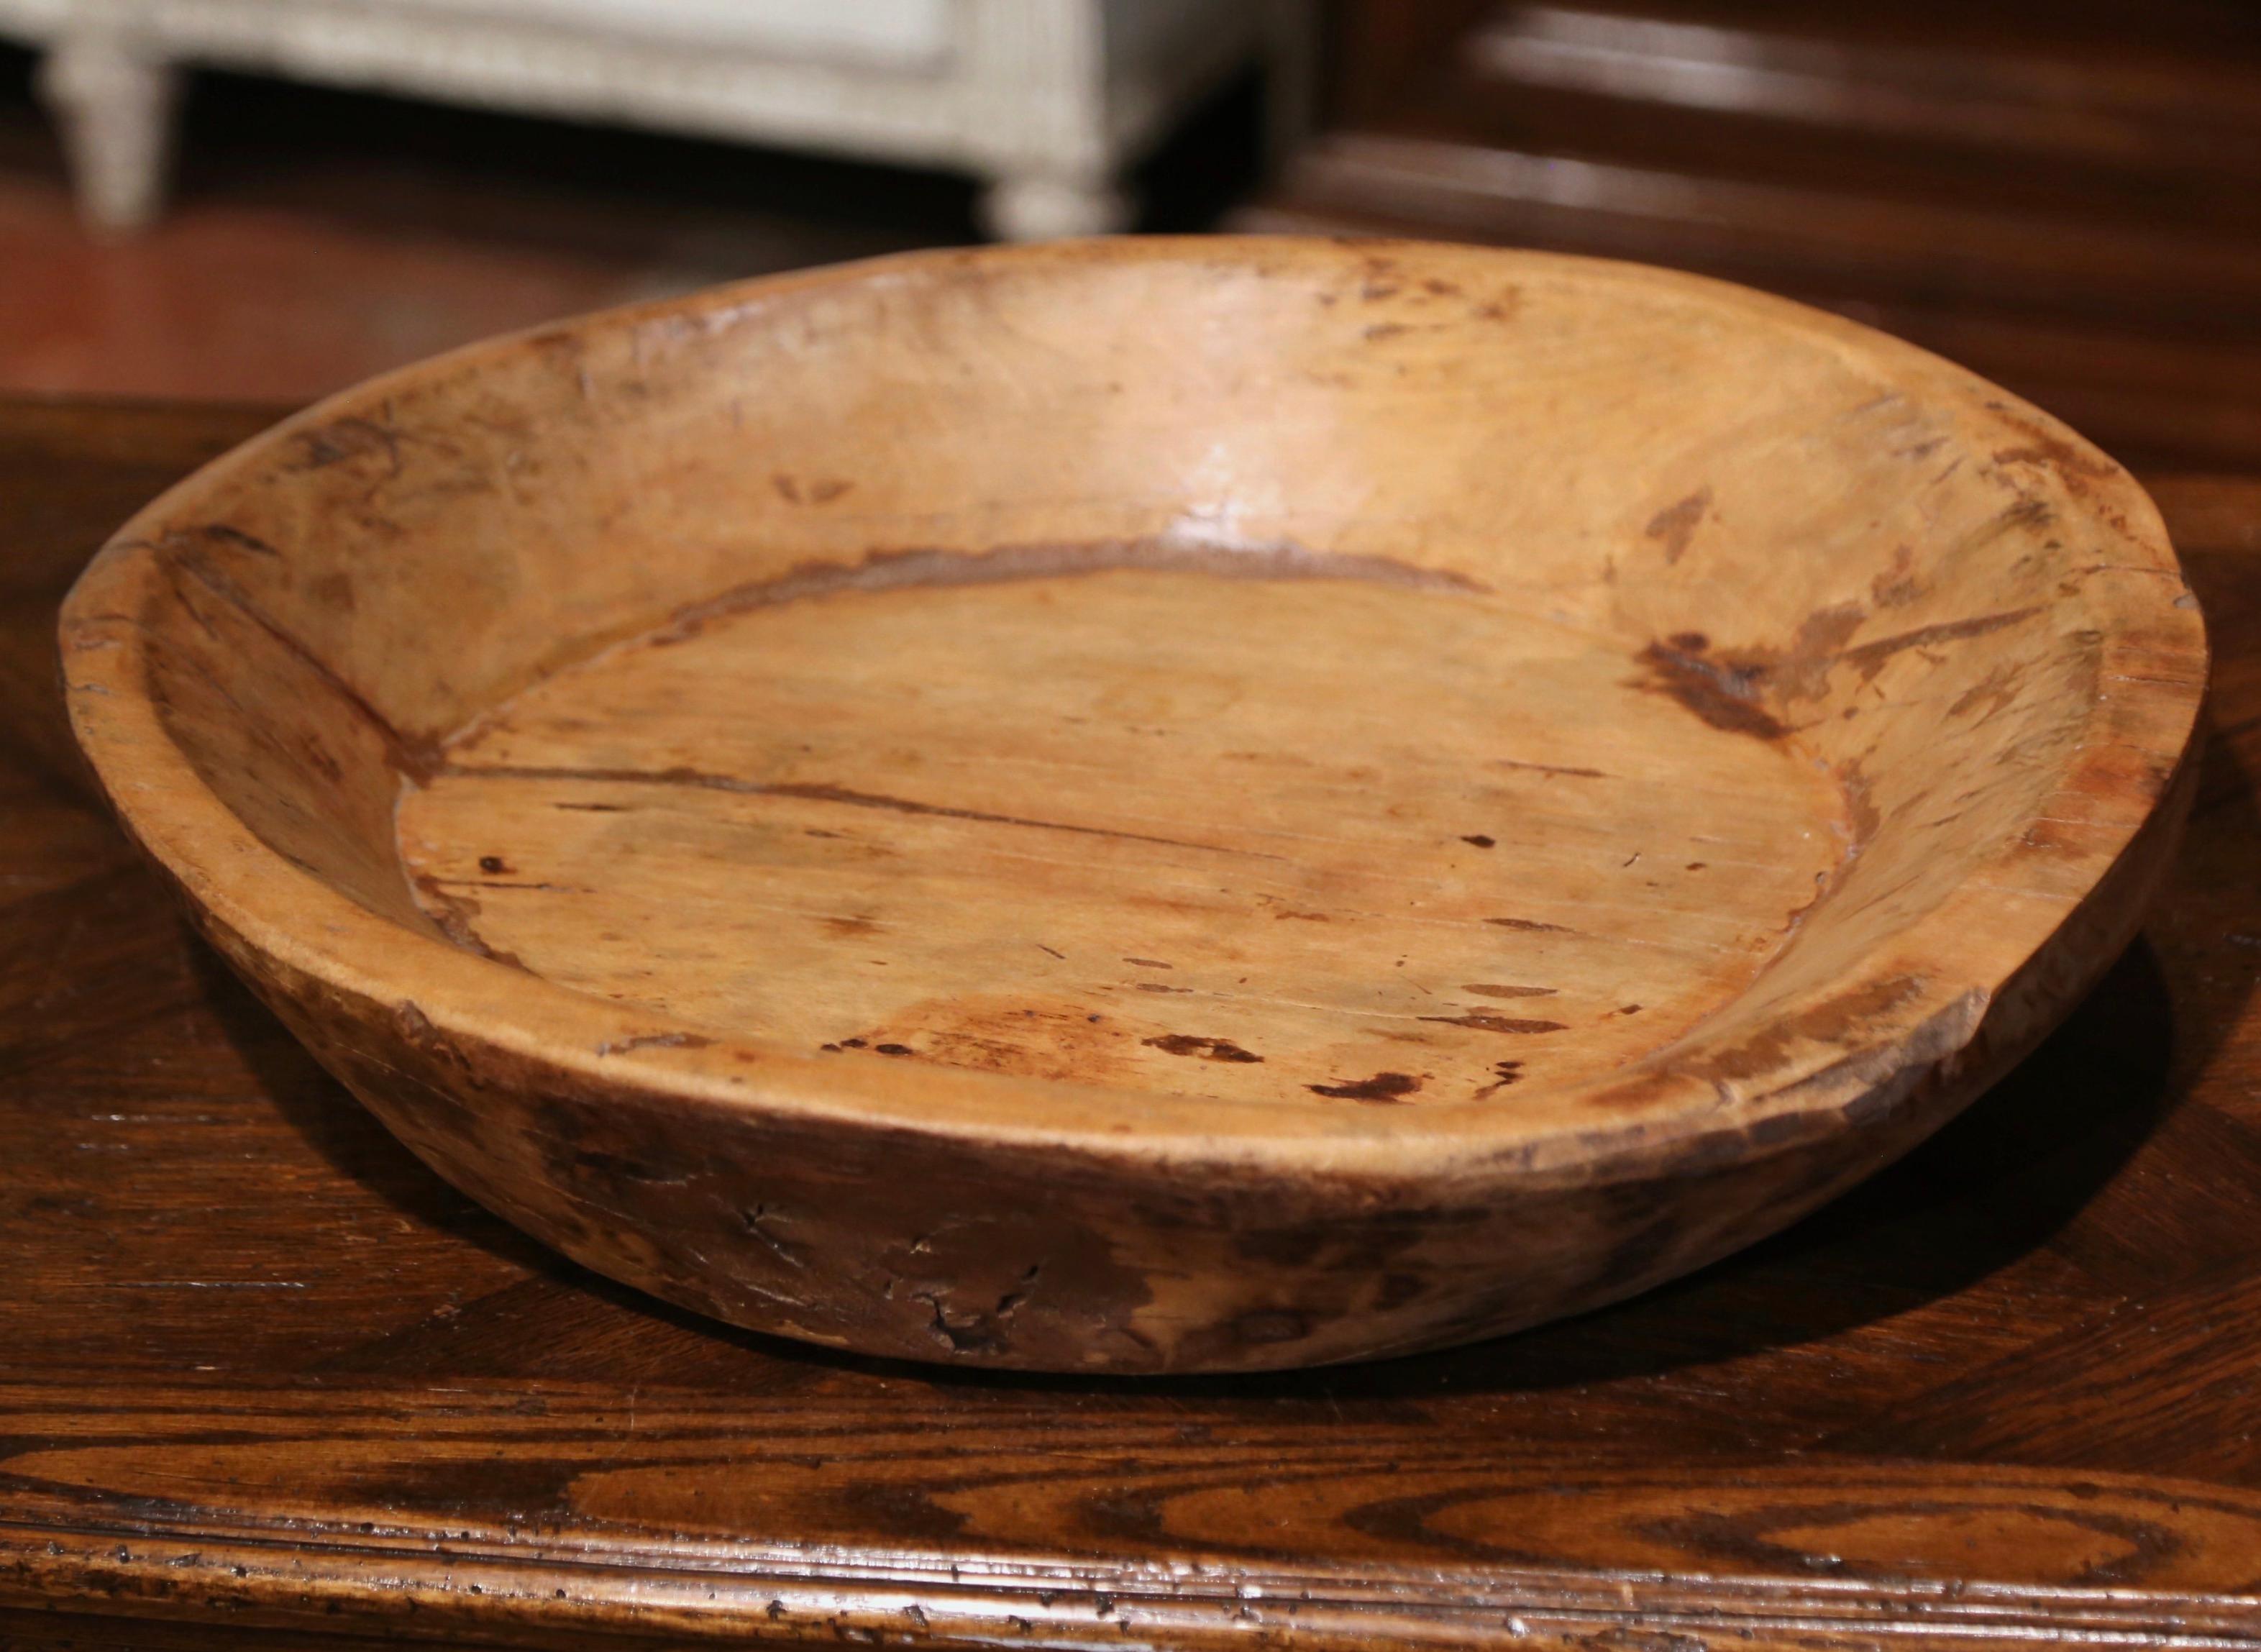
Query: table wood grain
{"points": [[266, 1380]]}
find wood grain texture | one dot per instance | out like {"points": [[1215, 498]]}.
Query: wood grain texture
{"points": [[270, 1383], [1495, 782], [993, 838]]}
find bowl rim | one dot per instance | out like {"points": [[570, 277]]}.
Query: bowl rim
{"points": [[257, 904]]}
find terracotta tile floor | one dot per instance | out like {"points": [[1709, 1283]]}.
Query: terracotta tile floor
{"points": [[317, 237]]}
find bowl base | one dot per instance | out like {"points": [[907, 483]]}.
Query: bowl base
{"points": [[1129, 825]]}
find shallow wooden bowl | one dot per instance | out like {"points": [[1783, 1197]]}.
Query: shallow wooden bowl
{"points": [[1157, 805]]}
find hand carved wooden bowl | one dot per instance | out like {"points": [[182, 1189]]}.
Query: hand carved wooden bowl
{"points": [[1157, 805]]}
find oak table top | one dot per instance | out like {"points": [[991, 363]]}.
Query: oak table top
{"points": [[270, 1381]]}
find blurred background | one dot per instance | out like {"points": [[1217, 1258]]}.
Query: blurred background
{"points": [[262, 200]]}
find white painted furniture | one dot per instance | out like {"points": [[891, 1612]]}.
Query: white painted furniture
{"points": [[1047, 100]]}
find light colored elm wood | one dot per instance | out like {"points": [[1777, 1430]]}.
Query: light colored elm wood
{"points": [[1130, 827], [1158, 805]]}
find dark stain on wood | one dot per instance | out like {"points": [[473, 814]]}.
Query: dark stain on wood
{"points": [[657, 1041], [227, 534], [1801, 672], [1675, 526], [1896, 586], [342, 441], [1206, 1049], [454, 914], [1549, 768], [896, 570], [1382, 1088], [1998, 691], [794, 491], [1839, 1021], [1723, 691], [1732, 690], [1504, 1074], [1869, 657], [1486, 1022]]}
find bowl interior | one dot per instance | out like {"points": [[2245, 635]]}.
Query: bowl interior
{"points": [[1312, 675]]}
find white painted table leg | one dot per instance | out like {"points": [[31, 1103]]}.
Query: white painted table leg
{"points": [[115, 106], [1044, 205]]}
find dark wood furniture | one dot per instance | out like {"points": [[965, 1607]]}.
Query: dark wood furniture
{"points": [[267, 1382], [2062, 197]]}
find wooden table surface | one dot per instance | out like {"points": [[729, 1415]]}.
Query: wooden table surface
{"points": [[267, 1381]]}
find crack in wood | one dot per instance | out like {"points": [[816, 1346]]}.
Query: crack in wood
{"points": [[699, 781]]}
